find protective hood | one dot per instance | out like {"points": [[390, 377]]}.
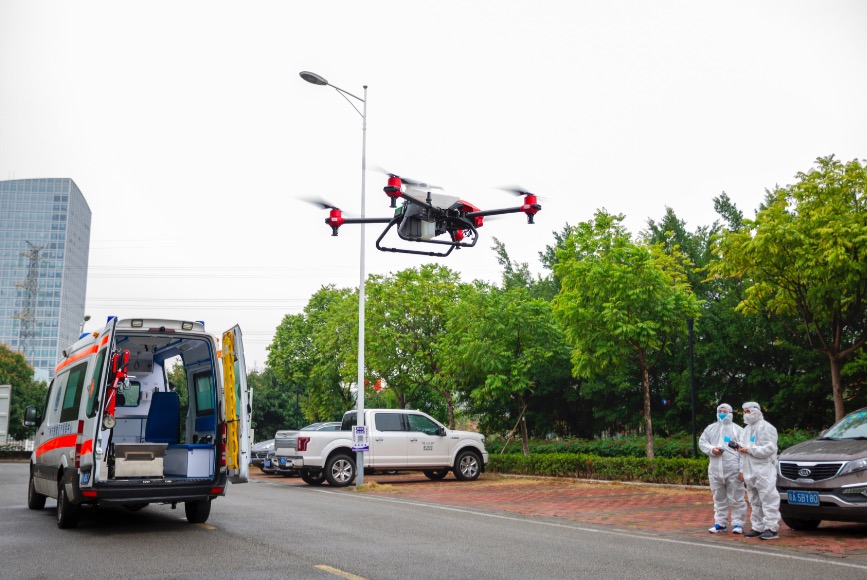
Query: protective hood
{"points": [[724, 413], [755, 414]]}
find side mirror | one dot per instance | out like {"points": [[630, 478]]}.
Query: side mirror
{"points": [[31, 417], [441, 432]]}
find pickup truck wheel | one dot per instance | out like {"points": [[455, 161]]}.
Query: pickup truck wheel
{"points": [[340, 470], [197, 511], [35, 500], [317, 478], [801, 525], [467, 466], [435, 474], [67, 512]]}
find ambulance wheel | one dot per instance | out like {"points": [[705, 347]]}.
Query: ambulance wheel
{"points": [[309, 478], [197, 511], [35, 500], [67, 512]]}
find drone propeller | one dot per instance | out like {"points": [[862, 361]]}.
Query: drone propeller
{"points": [[318, 202], [519, 191], [531, 201], [335, 216]]}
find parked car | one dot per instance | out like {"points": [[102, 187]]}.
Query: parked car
{"points": [[826, 478], [285, 443], [260, 453]]}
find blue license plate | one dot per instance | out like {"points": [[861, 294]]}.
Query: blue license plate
{"points": [[803, 498], [267, 463]]}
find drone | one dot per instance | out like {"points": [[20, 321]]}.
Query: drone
{"points": [[425, 216]]}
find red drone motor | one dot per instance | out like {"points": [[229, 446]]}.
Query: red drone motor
{"points": [[392, 190], [335, 220], [531, 207]]}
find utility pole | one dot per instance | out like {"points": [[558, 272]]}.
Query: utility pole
{"points": [[30, 288]]}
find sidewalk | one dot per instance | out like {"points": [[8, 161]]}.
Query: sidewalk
{"points": [[676, 511]]}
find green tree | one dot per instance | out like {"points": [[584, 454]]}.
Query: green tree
{"points": [[620, 302], [407, 315], [510, 343], [15, 371], [804, 258]]}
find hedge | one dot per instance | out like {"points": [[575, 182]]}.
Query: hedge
{"points": [[628, 446], [676, 470]]}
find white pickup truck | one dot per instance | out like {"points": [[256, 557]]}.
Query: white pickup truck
{"points": [[398, 439]]}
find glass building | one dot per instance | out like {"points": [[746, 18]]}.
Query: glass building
{"points": [[44, 247]]}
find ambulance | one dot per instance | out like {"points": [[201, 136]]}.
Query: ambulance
{"points": [[115, 431]]}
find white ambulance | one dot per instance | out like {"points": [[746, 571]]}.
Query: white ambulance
{"points": [[114, 430]]}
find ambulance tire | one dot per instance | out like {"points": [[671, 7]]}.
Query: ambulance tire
{"points": [[197, 511], [35, 500], [67, 512]]}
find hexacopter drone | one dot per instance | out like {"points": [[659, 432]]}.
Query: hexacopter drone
{"points": [[424, 216]]}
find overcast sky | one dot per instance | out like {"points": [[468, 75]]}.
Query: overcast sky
{"points": [[191, 135]]}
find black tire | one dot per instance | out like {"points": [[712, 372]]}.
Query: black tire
{"points": [[317, 478], [134, 507], [436, 474], [801, 525], [67, 512], [35, 500], [340, 470], [468, 466], [197, 511]]}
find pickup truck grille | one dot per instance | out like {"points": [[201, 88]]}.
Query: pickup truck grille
{"points": [[819, 472]]}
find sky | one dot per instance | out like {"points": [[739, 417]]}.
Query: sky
{"points": [[193, 138]]}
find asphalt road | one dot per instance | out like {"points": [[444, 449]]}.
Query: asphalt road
{"points": [[266, 530]]}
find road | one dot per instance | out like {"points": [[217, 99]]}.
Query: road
{"points": [[265, 529]]}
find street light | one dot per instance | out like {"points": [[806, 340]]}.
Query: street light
{"points": [[315, 79], [81, 327]]}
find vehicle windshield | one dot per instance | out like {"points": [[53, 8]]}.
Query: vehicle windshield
{"points": [[852, 426]]}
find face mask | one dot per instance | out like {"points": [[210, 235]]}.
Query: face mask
{"points": [[751, 418], [723, 416]]}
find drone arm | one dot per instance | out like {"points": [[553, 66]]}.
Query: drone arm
{"points": [[528, 208]]}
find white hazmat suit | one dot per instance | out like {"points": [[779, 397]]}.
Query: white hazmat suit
{"points": [[723, 470], [759, 467]]}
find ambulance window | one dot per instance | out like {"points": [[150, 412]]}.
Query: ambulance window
{"points": [[72, 397], [93, 387], [204, 394], [59, 385], [131, 396]]}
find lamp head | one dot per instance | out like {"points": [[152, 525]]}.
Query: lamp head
{"points": [[312, 78]]}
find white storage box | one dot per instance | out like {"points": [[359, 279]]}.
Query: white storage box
{"points": [[190, 461], [138, 459]]}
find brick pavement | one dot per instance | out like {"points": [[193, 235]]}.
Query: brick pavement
{"points": [[674, 511]]}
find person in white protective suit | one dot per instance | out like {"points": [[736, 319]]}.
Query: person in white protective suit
{"points": [[723, 472], [759, 468]]}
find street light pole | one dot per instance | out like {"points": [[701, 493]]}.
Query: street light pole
{"points": [[318, 80]]}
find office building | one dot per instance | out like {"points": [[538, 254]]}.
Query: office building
{"points": [[44, 247]]}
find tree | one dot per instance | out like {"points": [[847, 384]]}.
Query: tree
{"points": [[15, 371], [620, 302], [804, 258], [510, 343], [407, 313]]}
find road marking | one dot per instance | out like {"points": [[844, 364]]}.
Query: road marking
{"points": [[604, 532], [338, 572]]}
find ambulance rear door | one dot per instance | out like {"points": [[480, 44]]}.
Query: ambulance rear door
{"points": [[237, 405]]}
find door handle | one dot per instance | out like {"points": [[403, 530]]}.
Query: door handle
{"points": [[413, 440], [378, 439]]}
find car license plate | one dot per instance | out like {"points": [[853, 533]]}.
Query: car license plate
{"points": [[803, 498], [267, 463]]}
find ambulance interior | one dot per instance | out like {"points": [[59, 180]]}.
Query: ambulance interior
{"points": [[164, 430]]}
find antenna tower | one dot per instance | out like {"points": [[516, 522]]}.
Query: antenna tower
{"points": [[29, 287]]}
